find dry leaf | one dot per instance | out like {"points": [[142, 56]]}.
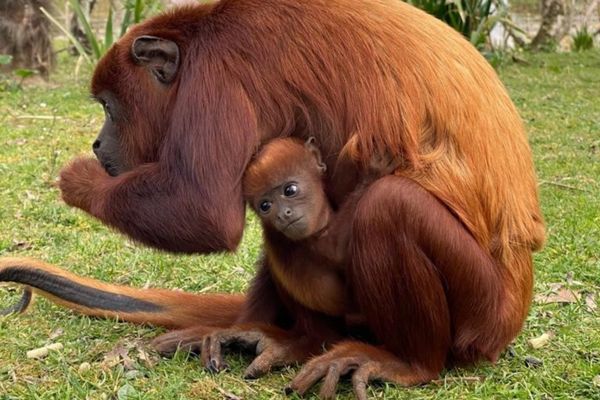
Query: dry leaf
{"points": [[56, 333], [590, 302], [146, 359], [118, 355], [541, 340], [569, 277], [561, 295], [227, 395], [596, 381]]}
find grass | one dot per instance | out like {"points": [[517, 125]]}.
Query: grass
{"points": [[558, 98]]}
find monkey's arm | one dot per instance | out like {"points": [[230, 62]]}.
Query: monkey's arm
{"points": [[154, 208], [172, 309], [190, 198]]}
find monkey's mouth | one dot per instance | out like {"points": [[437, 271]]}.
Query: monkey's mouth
{"points": [[291, 224], [110, 169], [295, 230]]}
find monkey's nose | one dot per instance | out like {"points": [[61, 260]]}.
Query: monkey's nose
{"points": [[286, 214]]}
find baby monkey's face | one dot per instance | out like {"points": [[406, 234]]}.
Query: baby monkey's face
{"points": [[297, 207]]}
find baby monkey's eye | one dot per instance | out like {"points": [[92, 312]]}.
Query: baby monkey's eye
{"points": [[265, 206], [290, 190]]}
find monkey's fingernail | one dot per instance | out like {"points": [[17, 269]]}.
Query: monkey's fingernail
{"points": [[250, 373], [288, 390], [213, 366]]}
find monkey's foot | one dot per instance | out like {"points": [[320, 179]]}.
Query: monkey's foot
{"points": [[366, 363], [188, 340], [274, 348]]}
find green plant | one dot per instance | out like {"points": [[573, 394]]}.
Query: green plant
{"points": [[134, 12], [13, 80], [583, 40], [473, 18], [5, 59]]}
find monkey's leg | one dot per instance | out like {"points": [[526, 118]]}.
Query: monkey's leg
{"points": [[408, 244], [171, 309]]}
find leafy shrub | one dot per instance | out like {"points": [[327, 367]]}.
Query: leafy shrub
{"points": [[583, 40], [473, 18], [134, 12]]}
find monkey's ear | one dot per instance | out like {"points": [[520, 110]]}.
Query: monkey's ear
{"points": [[160, 56], [311, 146]]}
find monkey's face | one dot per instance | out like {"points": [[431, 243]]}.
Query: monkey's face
{"points": [[298, 208]]}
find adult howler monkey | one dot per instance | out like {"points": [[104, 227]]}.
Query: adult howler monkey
{"points": [[441, 262]]}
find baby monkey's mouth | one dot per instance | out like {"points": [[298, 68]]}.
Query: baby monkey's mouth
{"points": [[295, 230], [292, 223]]}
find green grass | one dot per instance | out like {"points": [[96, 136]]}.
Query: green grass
{"points": [[558, 98]]}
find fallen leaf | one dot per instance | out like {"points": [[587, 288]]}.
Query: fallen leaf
{"points": [[596, 381], [127, 392], [569, 277], [541, 340], [227, 395], [146, 359], [562, 295], [118, 355], [590, 302], [133, 374], [56, 333]]}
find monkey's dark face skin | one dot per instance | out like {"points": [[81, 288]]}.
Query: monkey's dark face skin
{"points": [[297, 207], [107, 146]]}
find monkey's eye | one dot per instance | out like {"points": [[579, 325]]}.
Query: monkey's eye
{"points": [[106, 108], [290, 190], [265, 206]]}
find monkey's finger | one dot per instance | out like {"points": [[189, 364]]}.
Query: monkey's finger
{"points": [[361, 378], [271, 355], [307, 377], [336, 370], [187, 340], [215, 354], [21, 305], [205, 354]]}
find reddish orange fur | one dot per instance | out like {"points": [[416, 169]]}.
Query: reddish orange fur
{"points": [[399, 80]]}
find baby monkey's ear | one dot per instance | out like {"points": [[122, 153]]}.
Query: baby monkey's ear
{"points": [[311, 146]]}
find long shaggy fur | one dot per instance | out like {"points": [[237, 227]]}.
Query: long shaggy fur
{"points": [[456, 282]]}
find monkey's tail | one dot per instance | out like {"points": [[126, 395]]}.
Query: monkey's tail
{"points": [[159, 307]]}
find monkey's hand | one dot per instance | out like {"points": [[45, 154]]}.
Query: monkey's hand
{"points": [[364, 362], [381, 164], [273, 348], [81, 182]]}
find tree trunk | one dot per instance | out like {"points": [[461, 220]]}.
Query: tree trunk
{"points": [[25, 35], [552, 11]]}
